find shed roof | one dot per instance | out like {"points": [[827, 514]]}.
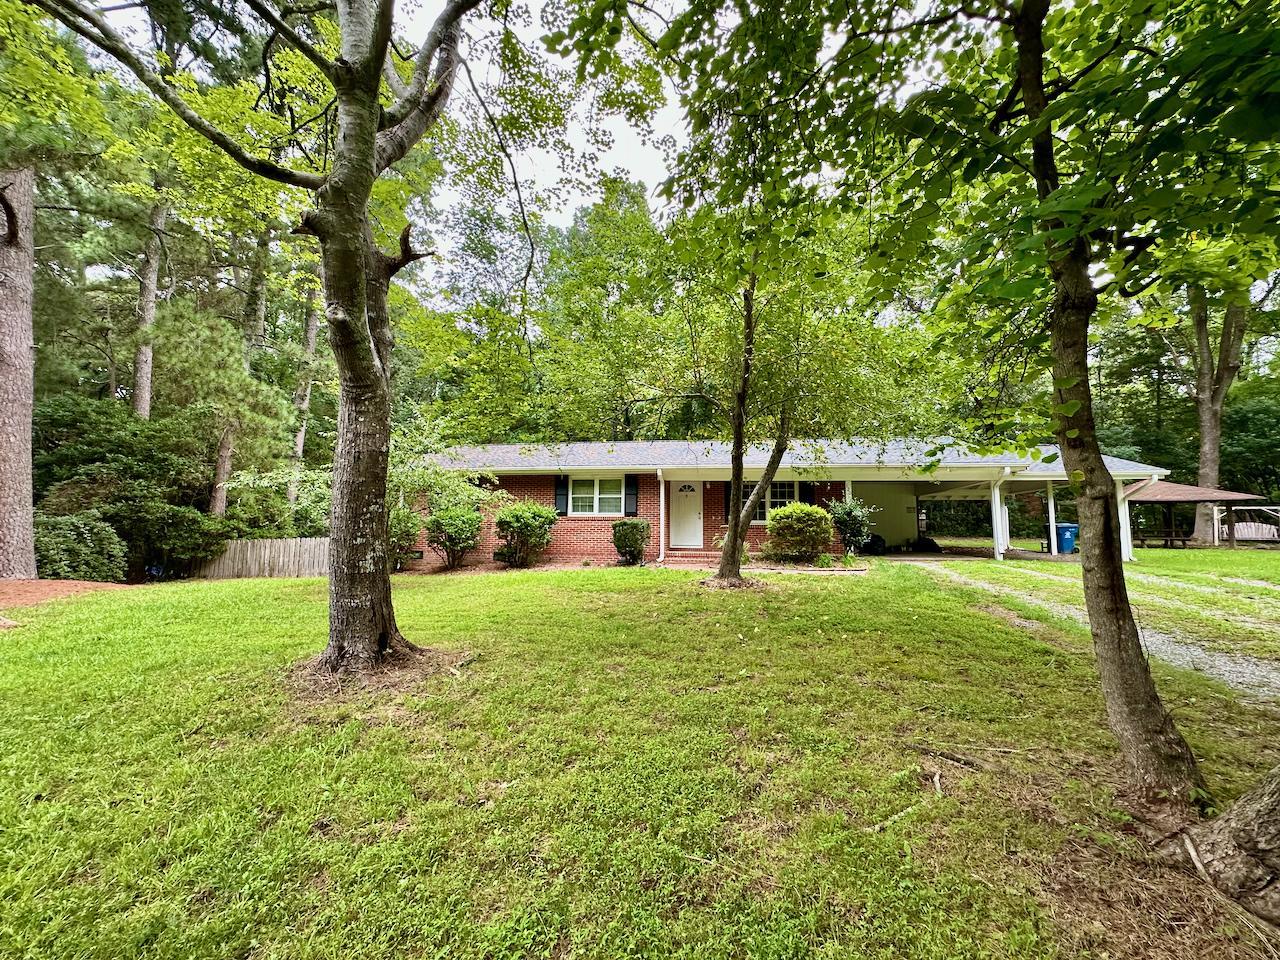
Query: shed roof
{"points": [[673, 454], [1161, 491]]}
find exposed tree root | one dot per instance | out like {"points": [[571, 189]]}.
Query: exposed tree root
{"points": [[1238, 852]]}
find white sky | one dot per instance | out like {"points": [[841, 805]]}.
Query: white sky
{"points": [[635, 156]]}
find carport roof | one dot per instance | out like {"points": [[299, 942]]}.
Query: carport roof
{"points": [[921, 454]]}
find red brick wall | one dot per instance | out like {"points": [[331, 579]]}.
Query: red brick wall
{"points": [[572, 538], [713, 518], [581, 538]]}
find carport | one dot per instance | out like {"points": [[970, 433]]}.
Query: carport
{"points": [[1043, 474]]}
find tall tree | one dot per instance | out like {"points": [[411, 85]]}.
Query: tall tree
{"points": [[779, 339], [148, 291], [370, 137], [378, 104], [17, 373], [1206, 332]]}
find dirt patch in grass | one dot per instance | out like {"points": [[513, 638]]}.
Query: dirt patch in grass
{"points": [[742, 583], [310, 684], [1014, 619], [26, 593]]}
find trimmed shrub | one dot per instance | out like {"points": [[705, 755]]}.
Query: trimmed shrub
{"points": [[78, 546], [453, 534], [799, 532], [630, 537], [852, 519], [525, 531]]}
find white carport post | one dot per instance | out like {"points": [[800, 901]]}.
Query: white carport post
{"points": [[662, 517], [1053, 519], [1126, 531], [999, 540]]}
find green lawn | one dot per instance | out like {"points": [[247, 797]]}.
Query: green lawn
{"points": [[632, 766]]}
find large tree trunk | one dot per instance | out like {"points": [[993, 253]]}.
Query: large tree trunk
{"points": [[1239, 851], [740, 513], [362, 623], [255, 297], [1161, 766], [222, 471], [17, 373], [148, 286], [1213, 381], [302, 393]]}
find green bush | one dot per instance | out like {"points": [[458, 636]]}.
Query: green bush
{"points": [[525, 531], [404, 525], [630, 537], [453, 533], [799, 532], [853, 521], [78, 546]]}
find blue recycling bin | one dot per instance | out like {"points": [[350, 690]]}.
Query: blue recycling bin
{"points": [[1067, 533]]}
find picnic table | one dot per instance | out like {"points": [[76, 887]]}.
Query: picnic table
{"points": [[1168, 537]]}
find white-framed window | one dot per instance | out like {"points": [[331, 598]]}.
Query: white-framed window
{"points": [[779, 494], [595, 495]]}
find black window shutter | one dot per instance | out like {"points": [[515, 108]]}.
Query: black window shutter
{"points": [[728, 488], [562, 495], [808, 492], [630, 495]]}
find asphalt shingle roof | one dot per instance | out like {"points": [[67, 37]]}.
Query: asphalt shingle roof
{"points": [[669, 454]]}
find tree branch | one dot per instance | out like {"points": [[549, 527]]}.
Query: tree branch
{"points": [[407, 254], [90, 25], [515, 180], [395, 141], [295, 39], [438, 39]]}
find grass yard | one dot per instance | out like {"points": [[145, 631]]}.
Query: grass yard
{"points": [[632, 766], [1226, 600]]}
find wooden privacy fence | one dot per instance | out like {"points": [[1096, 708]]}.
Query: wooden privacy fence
{"points": [[292, 557]]}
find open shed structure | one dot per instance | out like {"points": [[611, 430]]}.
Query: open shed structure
{"points": [[1169, 495]]}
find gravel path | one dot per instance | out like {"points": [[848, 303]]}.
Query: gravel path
{"points": [[1248, 675]]}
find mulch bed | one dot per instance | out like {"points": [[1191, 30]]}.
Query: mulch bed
{"points": [[26, 593]]}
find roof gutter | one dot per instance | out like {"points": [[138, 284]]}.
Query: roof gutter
{"points": [[1127, 492]]}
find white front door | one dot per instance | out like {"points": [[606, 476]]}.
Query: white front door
{"points": [[686, 514]]}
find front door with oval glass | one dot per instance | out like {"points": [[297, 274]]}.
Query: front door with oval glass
{"points": [[686, 515]]}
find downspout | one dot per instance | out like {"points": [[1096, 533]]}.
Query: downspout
{"points": [[662, 518]]}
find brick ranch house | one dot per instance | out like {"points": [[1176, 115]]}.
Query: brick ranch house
{"points": [[681, 487]]}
